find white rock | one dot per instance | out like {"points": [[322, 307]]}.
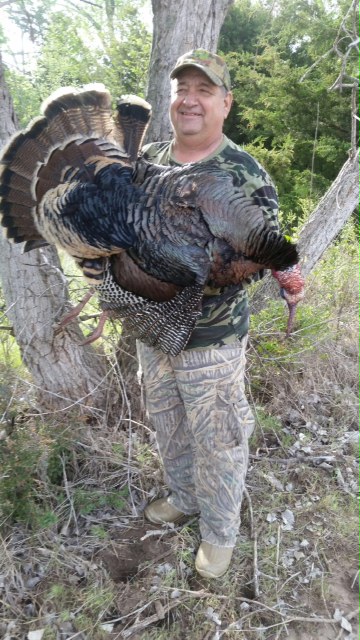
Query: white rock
{"points": [[36, 635]]}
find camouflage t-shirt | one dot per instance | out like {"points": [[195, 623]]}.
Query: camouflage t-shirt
{"points": [[225, 311]]}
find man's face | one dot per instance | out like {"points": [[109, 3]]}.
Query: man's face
{"points": [[198, 107]]}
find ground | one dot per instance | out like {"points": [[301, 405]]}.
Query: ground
{"points": [[106, 573], [78, 560]]}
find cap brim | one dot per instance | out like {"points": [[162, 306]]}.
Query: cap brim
{"points": [[212, 76]]}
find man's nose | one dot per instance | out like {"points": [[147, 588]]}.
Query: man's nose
{"points": [[190, 98]]}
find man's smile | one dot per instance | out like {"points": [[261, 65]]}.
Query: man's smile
{"points": [[189, 113]]}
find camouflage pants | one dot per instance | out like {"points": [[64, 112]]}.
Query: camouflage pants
{"points": [[202, 419]]}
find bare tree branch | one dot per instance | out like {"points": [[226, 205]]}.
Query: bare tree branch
{"points": [[5, 3], [92, 4], [322, 228], [350, 34]]}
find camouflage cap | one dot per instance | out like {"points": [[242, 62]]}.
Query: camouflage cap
{"points": [[209, 63]]}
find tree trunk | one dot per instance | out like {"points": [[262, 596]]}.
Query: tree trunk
{"points": [[36, 294], [178, 27], [331, 214], [322, 228], [8, 121]]}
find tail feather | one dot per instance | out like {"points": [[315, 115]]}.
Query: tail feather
{"points": [[133, 115], [52, 172], [13, 195], [76, 126], [79, 112], [20, 227], [10, 180], [73, 161]]}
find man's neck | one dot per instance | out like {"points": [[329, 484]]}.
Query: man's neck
{"points": [[190, 151]]}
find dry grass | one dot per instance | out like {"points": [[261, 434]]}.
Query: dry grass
{"points": [[77, 559]]}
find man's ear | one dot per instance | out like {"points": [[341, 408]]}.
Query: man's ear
{"points": [[228, 100]]}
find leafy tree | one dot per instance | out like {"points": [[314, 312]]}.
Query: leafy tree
{"points": [[31, 17], [76, 65], [76, 45], [26, 96], [298, 128], [243, 26]]}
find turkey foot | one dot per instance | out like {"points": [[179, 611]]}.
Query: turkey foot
{"points": [[96, 334], [71, 315]]}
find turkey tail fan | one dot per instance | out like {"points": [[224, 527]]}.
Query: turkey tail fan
{"points": [[81, 112], [76, 124], [18, 162], [73, 160], [132, 118]]}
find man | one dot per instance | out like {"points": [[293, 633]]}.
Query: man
{"points": [[196, 400]]}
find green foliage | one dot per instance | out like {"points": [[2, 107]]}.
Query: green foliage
{"points": [[31, 455], [26, 455], [99, 532], [19, 455], [94, 599], [86, 501], [76, 65], [31, 17], [115, 52], [108, 44], [284, 114], [267, 421], [277, 160], [33, 459], [127, 53], [243, 25], [337, 274], [268, 328], [25, 96]]}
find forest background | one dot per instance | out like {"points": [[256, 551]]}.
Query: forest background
{"points": [[73, 481]]}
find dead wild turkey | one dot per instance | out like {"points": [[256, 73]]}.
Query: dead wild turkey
{"points": [[147, 237]]}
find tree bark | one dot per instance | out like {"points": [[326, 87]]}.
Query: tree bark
{"points": [[36, 295], [322, 228], [330, 215], [8, 120], [178, 27]]}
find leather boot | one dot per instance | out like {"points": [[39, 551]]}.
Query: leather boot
{"points": [[212, 561], [161, 511]]}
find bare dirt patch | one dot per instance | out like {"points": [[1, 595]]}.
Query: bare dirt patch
{"points": [[133, 551]]}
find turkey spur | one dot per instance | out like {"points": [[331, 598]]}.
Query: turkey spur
{"points": [[148, 238]]}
